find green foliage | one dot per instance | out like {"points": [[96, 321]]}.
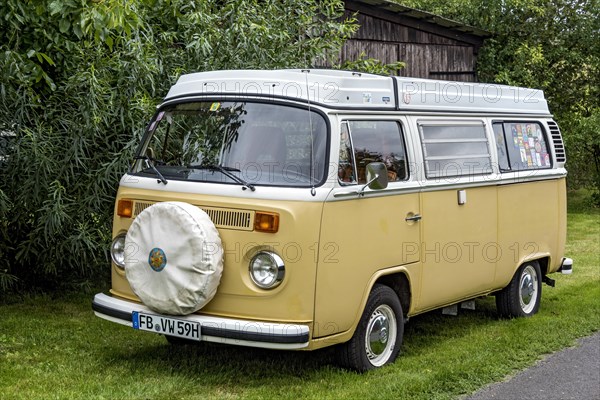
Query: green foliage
{"points": [[213, 35], [79, 80], [552, 45], [583, 142], [372, 66], [7, 280]]}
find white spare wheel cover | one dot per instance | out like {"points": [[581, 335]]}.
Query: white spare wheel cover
{"points": [[174, 259]]}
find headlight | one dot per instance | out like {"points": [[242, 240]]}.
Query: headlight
{"points": [[267, 270], [117, 251]]}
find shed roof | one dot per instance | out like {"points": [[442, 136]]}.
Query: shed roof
{"points": [[400, 10]]}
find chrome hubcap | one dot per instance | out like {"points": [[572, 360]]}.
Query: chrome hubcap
{"points": [[381, 335], [528, 289]]}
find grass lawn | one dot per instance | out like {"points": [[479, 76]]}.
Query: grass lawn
{"points": [[56, 348]]}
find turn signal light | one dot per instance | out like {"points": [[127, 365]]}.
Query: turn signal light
{"points": [[266, 222], [125, 208]]}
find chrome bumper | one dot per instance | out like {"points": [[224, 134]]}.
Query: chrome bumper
{"points": [[214, 329], [566, 266]]}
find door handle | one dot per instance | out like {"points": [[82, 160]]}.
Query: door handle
{"points": [[413, 217]]}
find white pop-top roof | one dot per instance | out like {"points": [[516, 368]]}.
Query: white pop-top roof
{"points": [[352, 90]]}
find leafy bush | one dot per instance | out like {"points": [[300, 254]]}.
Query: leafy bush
{"points": [[79, 80], [7, 280], [583, 144], [371, 65]]}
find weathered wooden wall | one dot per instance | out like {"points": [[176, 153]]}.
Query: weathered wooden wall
{"points": [[429, 51]]}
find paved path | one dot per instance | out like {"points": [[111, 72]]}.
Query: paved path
{"points": [[573, 373]]}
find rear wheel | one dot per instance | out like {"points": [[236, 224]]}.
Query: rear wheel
{"points": [[378, 336], [521, 298]]}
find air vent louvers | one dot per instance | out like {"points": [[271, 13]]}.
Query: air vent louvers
{"points": [[221, 217], [559, 147], [139, 207]]}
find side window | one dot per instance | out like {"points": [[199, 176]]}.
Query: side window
{"points": [[501, 148], [346, 170], [377, 141], [455, 150], [525, 145]]}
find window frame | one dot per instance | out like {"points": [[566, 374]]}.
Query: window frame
{"points": [[403, 142], [135, 167], [352, 158], [438, 174], [502, 123]]}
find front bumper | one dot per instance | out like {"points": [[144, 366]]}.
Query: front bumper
{"points": [[214, 329]]}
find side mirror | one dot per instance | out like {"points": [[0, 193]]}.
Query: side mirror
{"points": [[377, 176]]}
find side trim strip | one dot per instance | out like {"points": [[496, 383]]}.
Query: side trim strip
{"points": [[351, 192]]}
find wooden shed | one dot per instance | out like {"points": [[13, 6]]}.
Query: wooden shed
{"points": [[431, 46]]}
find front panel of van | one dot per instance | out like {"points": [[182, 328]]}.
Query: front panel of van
{"points": [[237, 296], [233, 159]]}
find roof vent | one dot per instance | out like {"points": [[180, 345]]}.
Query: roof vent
{"points": [[559, 147]]}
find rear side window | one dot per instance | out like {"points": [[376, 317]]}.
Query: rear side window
{"points": [[521, 146], [455, 149], [363, 142]]}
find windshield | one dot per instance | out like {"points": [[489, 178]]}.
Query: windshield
{"points": [[235, 142]]}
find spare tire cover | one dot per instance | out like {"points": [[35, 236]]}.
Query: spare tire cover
{"points": [[174, 258]]}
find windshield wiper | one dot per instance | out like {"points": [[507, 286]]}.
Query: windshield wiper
{"points": [[224, 171], [151, 161]]}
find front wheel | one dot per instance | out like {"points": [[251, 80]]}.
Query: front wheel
{"points": [[378, 336], [521, 298]]}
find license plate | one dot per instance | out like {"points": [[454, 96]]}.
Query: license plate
{"points": [[166, 325]]}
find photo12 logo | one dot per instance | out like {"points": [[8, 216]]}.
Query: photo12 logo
{"points": [[291, 252], [314, 90], [468, 252], [440, 92]]}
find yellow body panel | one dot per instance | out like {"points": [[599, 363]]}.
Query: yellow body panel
{"points": [[531, 225], [359, 238], [562, 225], [457, 245], [456, 252], [238, 297]]}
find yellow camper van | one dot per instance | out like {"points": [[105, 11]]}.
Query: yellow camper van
{"points": [[298, 209]]}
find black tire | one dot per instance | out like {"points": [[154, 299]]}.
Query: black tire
{"points": [[383, 321], [522, 296]]}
